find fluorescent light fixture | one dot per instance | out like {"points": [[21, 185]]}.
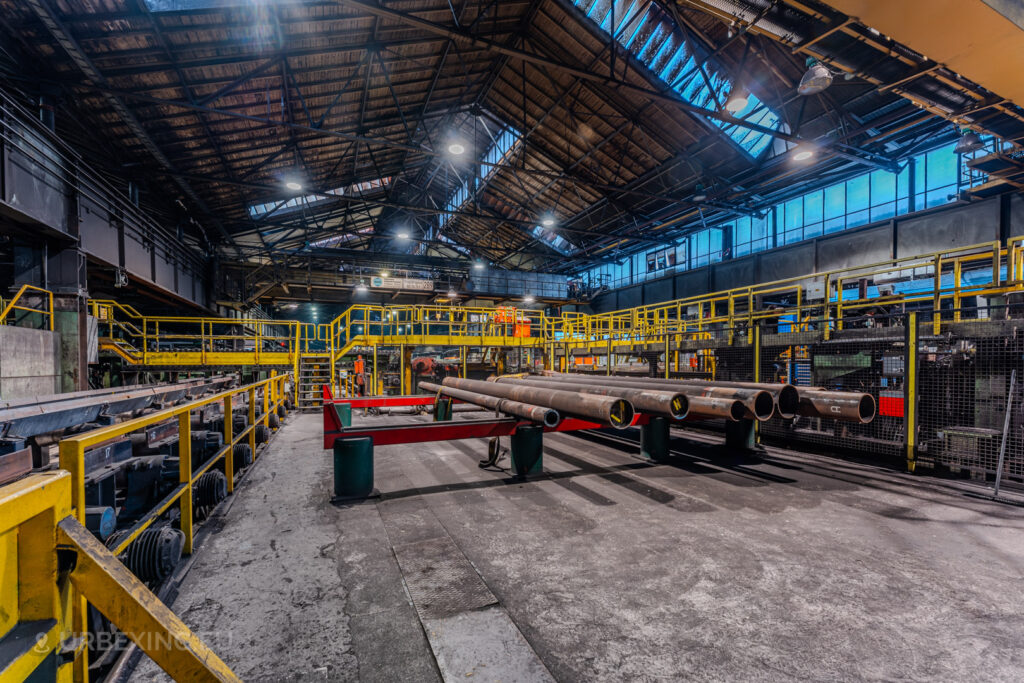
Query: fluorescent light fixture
{"points": [[738, 100], [815, 79], [292, 185], [456, 149], [968, 142]]}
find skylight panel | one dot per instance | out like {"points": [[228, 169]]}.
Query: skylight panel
{"points": [[498, 154], [308, 200], [654, 42], [553, 240]]}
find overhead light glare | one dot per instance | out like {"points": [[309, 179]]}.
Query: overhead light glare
{"points": [[816, 79], [528, 298], [403, 235], [456, 149], [803, 153], [384, 273], [452, 294], [738, 100], [292, 185], [547, 221], [361, 287], [478, 266]]}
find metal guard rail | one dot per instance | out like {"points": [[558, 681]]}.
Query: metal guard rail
{"points": [[15, 305]]}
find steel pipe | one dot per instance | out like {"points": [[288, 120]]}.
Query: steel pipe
{"points": [[616, 411], [668, 403], [786, 396], [705, 408], [758, 404], [548, 417], [837, 405]]}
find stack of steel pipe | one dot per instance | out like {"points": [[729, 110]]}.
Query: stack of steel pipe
{"points": [[705, 401], [618, 412], [789, 401], [671, 404], [548, 417]]}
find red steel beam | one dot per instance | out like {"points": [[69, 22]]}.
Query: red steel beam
{"points": [[418, 432]]}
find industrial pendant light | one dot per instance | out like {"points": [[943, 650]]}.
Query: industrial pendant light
{"points": [[738, 100], [815, 79], [968, 142]]}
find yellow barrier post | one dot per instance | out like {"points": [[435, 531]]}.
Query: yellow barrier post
{"points": [[911, 391], [266, 405], [185, 476], [229, 436], [252, 423]]}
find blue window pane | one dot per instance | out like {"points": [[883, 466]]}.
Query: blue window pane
{"points": [[835, 224], [941, 168], [858, 192], [835, 201], [813, 207], [857, 218], [883, 188], [883, 211], [794, 214], [812, 230]]}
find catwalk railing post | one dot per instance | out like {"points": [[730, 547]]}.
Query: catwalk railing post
{"points": [[229, 436], [755, 343], [910, 391]]}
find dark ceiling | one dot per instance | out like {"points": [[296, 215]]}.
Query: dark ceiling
{"points": [[224, 102]]}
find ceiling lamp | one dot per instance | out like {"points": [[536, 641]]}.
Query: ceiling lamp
{"points": [[816, 79], [968, 142], [384, 273], [803, 152], [699, 195], [292, 185], [403, 235], [361, 287], [452, 294], [456, 149], [478, 266], [738, 100], [528, 298]]}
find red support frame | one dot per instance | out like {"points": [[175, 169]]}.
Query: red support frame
{"points": [[419, 432]]}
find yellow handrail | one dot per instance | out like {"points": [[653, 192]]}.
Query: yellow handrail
{"points": [[14, 305]]}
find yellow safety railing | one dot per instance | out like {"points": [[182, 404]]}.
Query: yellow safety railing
{"points": [[186, 340], [814, 301], [271, 392], [17, 303]]}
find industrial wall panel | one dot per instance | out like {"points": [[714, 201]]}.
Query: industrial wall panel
{"points": [[738, 273], [785, 263], [693, 283], [137, 259], [630, 297], [165, 270], [1016, 215], [99, 237], [959, 227], [657, 291], [35, 189], [854, 249]]}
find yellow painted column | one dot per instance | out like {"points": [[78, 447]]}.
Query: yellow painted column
{"points": [[910, 391], [252, 423], [229, 457], [185, 477]]}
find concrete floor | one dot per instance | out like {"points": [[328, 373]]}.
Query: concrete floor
{"points": [[795, 567]]}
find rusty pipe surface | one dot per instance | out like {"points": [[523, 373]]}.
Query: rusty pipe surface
{"points": [[759, 405], [837, 405], [786, 396], [668, 403], [616, 411], [548, 417], [704, 408]]}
